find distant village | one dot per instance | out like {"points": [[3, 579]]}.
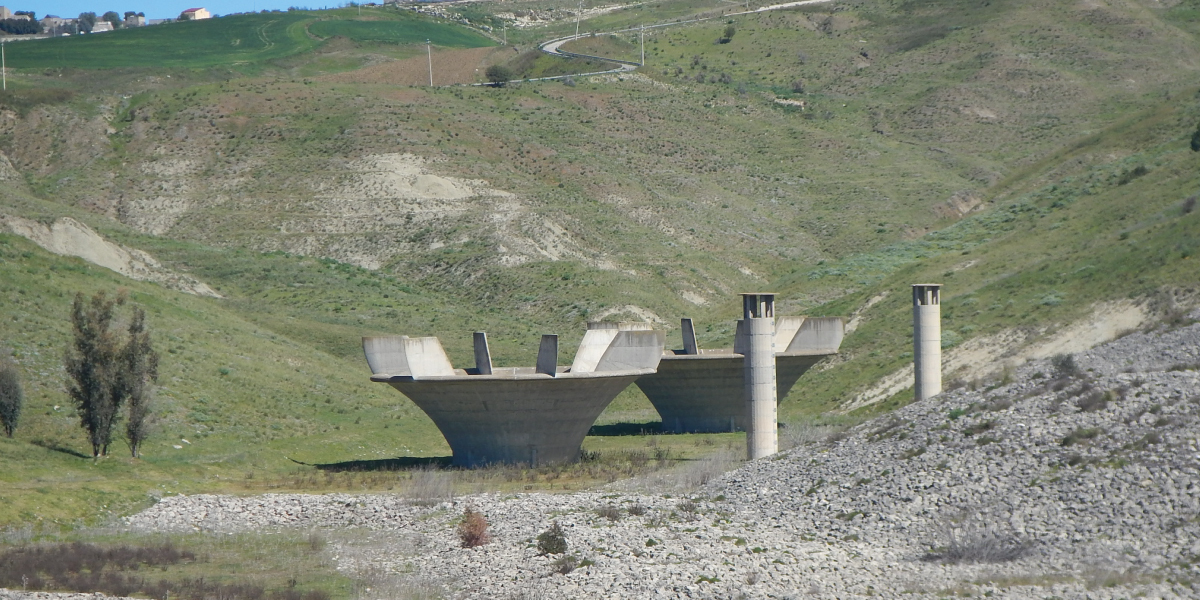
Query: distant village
{"points": [[24, 24]]}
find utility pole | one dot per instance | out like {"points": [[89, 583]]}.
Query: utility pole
{"points": [[429, 53], [3, 66], [643, 44], [506, 34], [578, 15]]}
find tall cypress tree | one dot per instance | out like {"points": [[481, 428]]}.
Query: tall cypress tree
{"points": [[12, 397], [91, 364], [106, 370], [139, 364]]}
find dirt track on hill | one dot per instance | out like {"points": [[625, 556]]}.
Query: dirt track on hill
{"points": [[449, 67]]}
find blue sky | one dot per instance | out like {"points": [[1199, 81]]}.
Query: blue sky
{"points": [[157, 9]]}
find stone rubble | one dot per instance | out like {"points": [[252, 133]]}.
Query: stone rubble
{"points": [[1090, 480]]}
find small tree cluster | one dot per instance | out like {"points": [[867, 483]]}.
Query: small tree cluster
{"points": [[106, 370], [730, 30], [473, 530], [553, 540], [499, 75], [12, 397]]}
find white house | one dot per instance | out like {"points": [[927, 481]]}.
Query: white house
{"points": [[195, 14]]}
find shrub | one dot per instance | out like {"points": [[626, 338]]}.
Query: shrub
{"points": [[637, 510], [553, 540], [1092, 401], [978, 547], [472, 531], [609, 512], [998, 404], [565, 564], [1079, 435], [1064, 365], [980, 427]]}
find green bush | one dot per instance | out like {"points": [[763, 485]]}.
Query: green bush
{"points": [[553, 540]]}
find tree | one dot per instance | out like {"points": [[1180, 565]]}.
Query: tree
{"points": [[87, 20], [20, 26], [729, 31], [12, 397], [105, 371], [113, 18], [499, 74], [139, 370]]}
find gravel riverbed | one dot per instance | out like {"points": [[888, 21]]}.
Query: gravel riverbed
{"points": [[1046, 485]]}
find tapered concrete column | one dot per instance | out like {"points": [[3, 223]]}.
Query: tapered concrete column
{"points": [[758, 346], [927, 339]]}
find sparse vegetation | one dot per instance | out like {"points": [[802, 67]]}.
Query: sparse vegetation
{"points": [[1080, 435], [1064, 365], [553, 540], [473, 530]]}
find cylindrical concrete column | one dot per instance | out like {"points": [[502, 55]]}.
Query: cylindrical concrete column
{"points": [[758, 329], [927, 339]]}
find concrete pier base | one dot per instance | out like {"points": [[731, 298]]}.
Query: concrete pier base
{"points": [[525, 415], [701, 390]]}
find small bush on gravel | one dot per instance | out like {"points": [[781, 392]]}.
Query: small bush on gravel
{"points": [[998, 404], [553, 540], [1079, 435], [472, 531], [1064, 365], [609, 512], [971, 542], [637, 510], [979, 427], [565, 564]]}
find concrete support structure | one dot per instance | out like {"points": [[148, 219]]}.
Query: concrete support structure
{"points": [[530, 415], [703, 391], [927, 339], [758, 366]]}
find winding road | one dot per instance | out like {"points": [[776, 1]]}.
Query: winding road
{"points": [[554, 47]]}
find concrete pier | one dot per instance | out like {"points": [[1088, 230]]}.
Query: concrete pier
{"points": [[927, 340], [699, 390], [517, 415], [758, 340]]}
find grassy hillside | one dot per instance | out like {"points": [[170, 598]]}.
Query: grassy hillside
{"points": [[246, 38], [1032, 156]]}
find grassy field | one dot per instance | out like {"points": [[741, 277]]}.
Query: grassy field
{"points": [[236, 39], [1032, 158]]}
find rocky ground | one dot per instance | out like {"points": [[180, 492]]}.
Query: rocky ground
{"points": [[1060, 482]]}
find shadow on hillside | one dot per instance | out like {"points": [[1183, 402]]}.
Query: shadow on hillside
{"points": [[54, 446], [616, 429], [403, 463]]}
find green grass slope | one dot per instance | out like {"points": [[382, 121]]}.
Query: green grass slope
{"points": [[245, 38], [1110, 218]]}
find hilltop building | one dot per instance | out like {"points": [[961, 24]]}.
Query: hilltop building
{"points": [[5, 13], [101, 27], [195, 14], [135, 20]]}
